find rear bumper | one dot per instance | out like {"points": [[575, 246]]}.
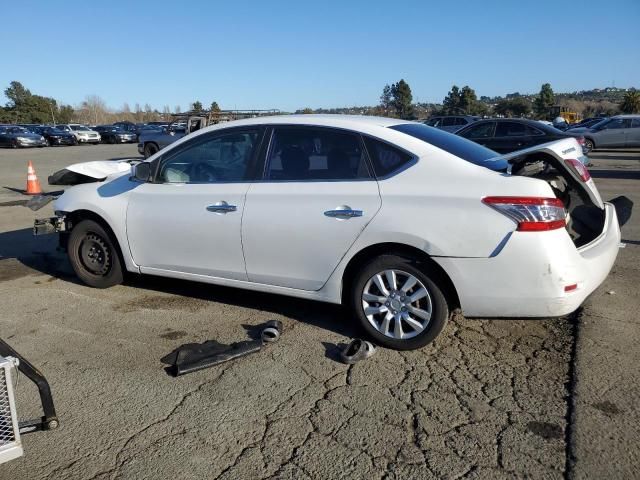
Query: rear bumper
{"points": [[527, 278]]}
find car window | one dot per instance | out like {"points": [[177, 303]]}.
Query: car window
{"points": [[207, 159], [386, 159], [460, 121], [510, 129], [635, 123], [533, 131], [616, 123], [434, 122], [484, 130], [315, 154], [455, 145], [449, 121]]}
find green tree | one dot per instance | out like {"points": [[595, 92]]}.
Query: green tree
{"points": [[402, 99], [451, 103], [215, 107], [196, 106], [513, 107], [65, 114], [386, 100], [468, 100], [545, 100], [307, 111], [631, 102]]}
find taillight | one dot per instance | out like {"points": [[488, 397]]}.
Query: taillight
{"points": [[532, 214], [579, 168]]}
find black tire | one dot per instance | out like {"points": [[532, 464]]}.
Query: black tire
{"points": [[14, 144], [439, 307], [150, 149], [112, 140], [589, 145], [100, 267]]}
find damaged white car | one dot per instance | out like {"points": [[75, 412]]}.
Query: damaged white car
{"points": [[398, 221]]}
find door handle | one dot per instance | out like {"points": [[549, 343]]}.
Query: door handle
{"points": [[221, 207], [343, 212]]}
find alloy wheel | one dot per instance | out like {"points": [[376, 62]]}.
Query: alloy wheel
{"points": [[397, 304]]}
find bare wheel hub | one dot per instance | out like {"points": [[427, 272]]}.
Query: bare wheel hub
{"points": [[95, 254]]}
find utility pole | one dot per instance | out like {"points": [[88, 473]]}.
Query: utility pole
{"points": [[52, 115]]}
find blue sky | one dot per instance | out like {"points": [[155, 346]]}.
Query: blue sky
{"points": [[296, 54]]}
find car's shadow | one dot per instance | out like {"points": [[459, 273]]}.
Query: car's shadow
{"points": [[21, 253]]}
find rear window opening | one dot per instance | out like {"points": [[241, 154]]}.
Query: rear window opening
{"points": [[585, 219]]}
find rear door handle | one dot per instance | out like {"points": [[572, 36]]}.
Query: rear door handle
{"points": [[343, 212], [221, 207]]}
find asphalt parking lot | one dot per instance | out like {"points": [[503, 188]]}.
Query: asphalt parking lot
{"points": [[551, 398]]}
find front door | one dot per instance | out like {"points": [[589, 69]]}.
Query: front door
{"points": [[614, 133], [188, 220], [316, 197]]}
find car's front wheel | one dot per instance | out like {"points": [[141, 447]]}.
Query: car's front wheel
{"points": [[150, 149], [94, 255], [398, 303]]}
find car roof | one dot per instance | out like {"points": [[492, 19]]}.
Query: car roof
{"points": [[322, 119], [626, 116]]}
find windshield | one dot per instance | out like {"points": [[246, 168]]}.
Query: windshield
{"points": [[458, 146], [55, 130], [79, 128], [17, 130], [600, 124]]}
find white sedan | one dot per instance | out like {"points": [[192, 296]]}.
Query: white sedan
{"points": [[396, 220]]}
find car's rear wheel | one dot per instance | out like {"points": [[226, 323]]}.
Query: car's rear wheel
{"points": [[589, 145], [150, 149], [94, 255], [398, 303]]}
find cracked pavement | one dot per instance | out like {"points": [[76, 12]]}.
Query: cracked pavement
{"points": [[489, 399]]}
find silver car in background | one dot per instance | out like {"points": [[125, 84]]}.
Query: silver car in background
{"points": [[615, 132]]}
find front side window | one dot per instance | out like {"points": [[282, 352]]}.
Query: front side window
{"points": [[301, 154], [484, 130], [211, 159], [616, 123], [510, 129]]}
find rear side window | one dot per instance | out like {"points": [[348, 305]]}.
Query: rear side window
{"points": [[303, 154], [385, 158], [450, 121], [455, 145]]}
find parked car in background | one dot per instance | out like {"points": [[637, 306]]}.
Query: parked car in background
{"points": [[615, 132], [84, 134], [129, 127], [451, 123], [397, 221], [15, 137], [56, 136], [505, 135], [153, 140], [114, 134]]}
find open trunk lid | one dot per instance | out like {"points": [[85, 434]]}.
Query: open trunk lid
{"points": [[561, 151]]}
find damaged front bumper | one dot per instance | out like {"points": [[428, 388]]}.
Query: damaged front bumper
{"points": [[46, 226]]}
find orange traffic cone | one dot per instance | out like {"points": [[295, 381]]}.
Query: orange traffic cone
{"points": [[33, 184]]}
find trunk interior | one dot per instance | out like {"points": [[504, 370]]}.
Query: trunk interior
{"points": [[585, 219]]}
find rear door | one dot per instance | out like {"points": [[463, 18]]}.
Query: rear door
{"points": [[614, 133], [632, 138], [316, 197]]}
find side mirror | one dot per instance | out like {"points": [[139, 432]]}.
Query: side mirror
{"points": [[142, 171]]}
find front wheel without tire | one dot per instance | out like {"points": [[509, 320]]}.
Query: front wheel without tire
{"points": [[398, 303], [94, 255], [588, 145]]}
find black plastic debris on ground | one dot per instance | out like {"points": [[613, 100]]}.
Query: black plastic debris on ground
{"points": [[192, 357]]}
